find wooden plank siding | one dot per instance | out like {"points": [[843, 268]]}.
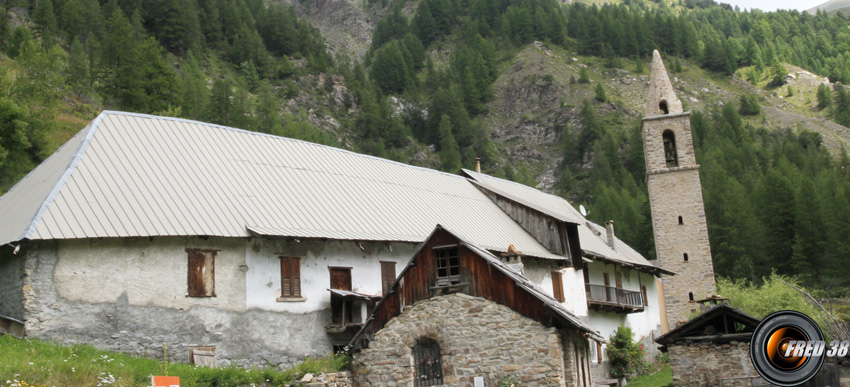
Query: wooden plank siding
{"points": [[557, 236], [478, 279]]}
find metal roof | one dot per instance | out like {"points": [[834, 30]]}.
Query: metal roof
{"points": [[594, 241], [128, 175], [552, 205]]}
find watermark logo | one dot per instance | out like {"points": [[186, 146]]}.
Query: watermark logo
{"points": [[788, 348]]}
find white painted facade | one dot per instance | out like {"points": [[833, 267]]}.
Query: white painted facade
{"points": [[643, 324]]}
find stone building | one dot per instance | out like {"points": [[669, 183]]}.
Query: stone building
{"points": [[713, 348], [457, 313], [675, 196], [144, 230]]}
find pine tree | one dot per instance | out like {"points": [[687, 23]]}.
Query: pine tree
{"points": [[824, 96], [583, 76], [600, 93], [389, 69], [449, 151], [78, 67], [45, 18]]}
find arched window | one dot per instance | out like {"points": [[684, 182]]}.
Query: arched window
{"points": [[663, 106], [681, 221], [427, 364], [670, 154]]}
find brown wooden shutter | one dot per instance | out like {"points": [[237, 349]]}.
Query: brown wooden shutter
{"points": [[618, 277], [643, 293], [340, 278], [197, 259], [387, 276], [558, 286], [295, 273], [290, 277]]}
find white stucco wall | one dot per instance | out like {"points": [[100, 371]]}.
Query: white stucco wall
{"points": [[644, 323], [539, 271], [263, 275], [151, 272]]}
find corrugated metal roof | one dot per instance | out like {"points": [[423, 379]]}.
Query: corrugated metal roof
{"points": [[593, 239], [552, 205], [128, 175]]}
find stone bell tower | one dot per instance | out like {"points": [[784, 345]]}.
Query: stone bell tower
{"points": [[675, 196]]}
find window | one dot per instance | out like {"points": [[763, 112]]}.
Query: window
{"points": [[690, 296], [670, 155], [558, 286], [663, 106], [387, 276], [681, 221], [290, 277], [201, 281], [685, 256], [448, 266], [340, 278], [426, 359]]}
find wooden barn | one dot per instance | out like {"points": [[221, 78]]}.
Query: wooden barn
{"points": [[458, 313]]}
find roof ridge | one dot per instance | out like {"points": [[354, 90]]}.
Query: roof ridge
{"points": [[519, 184], [238, 130], [69, 170]]}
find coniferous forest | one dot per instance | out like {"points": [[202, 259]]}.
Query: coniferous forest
{"points": [[776, 198]]}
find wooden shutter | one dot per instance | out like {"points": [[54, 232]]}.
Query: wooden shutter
{"points": [[201, 273], [387, 276], [197, 260], [618, 276], [341, 278], [290, 277], [643, 293], [558, 286]]}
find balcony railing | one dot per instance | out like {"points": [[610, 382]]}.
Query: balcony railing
{"points": [[614, 299]]}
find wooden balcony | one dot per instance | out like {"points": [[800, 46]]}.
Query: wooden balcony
{"points": [[609, 298]]}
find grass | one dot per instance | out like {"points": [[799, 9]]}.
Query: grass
{"points": [[663, 377], [34, 363]]}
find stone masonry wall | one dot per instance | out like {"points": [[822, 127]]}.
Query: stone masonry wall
{"points": [[675, 194], [477, 337], [242, 337], [11, 285], [707, 364]]}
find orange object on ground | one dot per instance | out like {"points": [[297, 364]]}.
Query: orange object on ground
{"points": [[165, 381]]}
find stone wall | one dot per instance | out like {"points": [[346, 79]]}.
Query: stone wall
{"points": [[131, 325], [477, 337], [675, 194], [707, 364], [11, 284]]}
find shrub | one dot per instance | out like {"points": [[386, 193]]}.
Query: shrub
{"points": [[626, 355]]}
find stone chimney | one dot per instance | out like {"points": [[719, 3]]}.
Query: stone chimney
{"points": [[609, 229], [478, 164]]}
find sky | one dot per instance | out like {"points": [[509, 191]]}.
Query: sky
{"points": [[772, 5]]}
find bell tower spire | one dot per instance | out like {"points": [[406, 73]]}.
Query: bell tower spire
{"points": [[661, 99], [675, 198]]}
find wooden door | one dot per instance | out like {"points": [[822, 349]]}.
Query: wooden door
{"points": [[341, 278]]}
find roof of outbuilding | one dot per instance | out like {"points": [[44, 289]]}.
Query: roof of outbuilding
{"points": [[128, 175]]}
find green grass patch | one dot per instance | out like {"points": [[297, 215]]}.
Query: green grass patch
{"points": [[661, 378], [34, 363]]}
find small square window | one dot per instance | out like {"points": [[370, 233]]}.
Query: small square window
{"points": [[448, 266]]}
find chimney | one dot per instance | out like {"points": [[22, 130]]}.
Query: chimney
{"points": [[609, 228], [478, 164]]}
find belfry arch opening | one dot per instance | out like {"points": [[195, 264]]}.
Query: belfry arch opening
{"points": [[663, 106], [670, 154]]}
